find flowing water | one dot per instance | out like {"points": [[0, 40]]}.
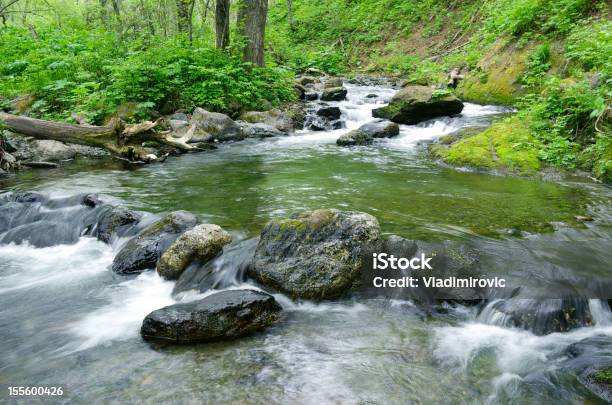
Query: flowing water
{"points": [[66, 319]]}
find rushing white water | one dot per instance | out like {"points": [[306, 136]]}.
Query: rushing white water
{"points": [[357, 110], [130, 302], [59, 265]]}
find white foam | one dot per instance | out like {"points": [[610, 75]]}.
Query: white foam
{"points": [[25, 266], [130, 302], [517, 351]]}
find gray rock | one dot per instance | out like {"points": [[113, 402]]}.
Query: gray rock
{"points": [[179, 125], [259, 130], [306, 80], [414, 104], [222, 316], [35, 150], [219, 126], [380, 129], [116, 221], [333, 82], [143, 251], [283, 121], [179, 117], [310, 96], [313, 254], [332, 113], [355, 137], [334, 94], [201, 243]]}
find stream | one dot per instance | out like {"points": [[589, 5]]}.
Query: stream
{"points": [[66, 319]]}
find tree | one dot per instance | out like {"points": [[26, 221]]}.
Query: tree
{"points": [[251, 19], [184, 12], [222, 21]]}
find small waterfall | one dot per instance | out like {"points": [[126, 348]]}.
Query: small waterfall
{"points": [[226, 270], [600, 312]]}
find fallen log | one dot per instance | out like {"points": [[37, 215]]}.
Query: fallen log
{"points": [[121, 139]]}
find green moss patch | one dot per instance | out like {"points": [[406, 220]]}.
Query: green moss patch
{"points": [[507, 145], [604, 376]]}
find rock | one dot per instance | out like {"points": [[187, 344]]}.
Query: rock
{"points": [[259, 130], [300, 91], [306, 80], [310, 96], [313, 254], [380, 129], [202, 243], [543, 316], [355, 137], [334, 94], [414, 104], [221, 127], [34, 150], [282, 120], [116, 221], [372, 95], [584, 218], [333, 82], [90, 200], [179, 116], [329, 112], [179, 125], [143, 251], [222, 316]]}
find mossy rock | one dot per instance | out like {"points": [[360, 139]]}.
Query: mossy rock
{"points": [[496, 79], [414, 104], [507, 145], [313, 254]]}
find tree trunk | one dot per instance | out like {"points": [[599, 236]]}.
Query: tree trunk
{"points": [[118, 138], [183, 17], [252, 16], [222, 22], [290, 13]]}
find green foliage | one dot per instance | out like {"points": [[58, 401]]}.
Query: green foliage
{"points": [[590, 44], [91, 72], [440, 93], [564, 118]]}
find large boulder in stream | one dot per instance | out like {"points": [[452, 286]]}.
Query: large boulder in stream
{"points": [[202, 243], [334, 94], [222, 316], [143, 251], [313, 254], [414, 104], [219, 126]]}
